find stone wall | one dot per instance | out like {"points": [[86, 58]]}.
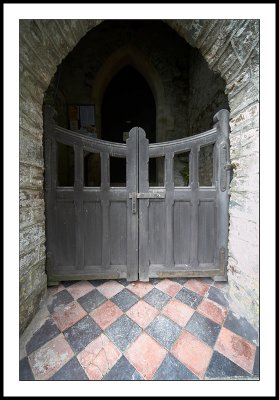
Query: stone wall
{"points": [[231, 48], [193, 93]]}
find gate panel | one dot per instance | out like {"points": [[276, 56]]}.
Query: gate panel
{"points": [[137, 231], [92, 214], [118, 233], [182, 233], [65, 234], [91, 232], [187, 225], [207, 236], [157, 231]]}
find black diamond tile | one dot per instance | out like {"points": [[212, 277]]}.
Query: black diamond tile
{"points": [[59, 299], [123, 282], [256, 369], [123, 332], [189, 297], [97, 282], [125, 299], [241, 327], [203, 328], [179, 280], [218, 296], [68, 283], [164, 331], [172, 370], [221, 367], [46, 332], [82, 333], [157, 299], [72, 371], [25, 372], [92, 300], [123, 371]]}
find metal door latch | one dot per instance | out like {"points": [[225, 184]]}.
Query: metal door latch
{"points": [[134, 196]]}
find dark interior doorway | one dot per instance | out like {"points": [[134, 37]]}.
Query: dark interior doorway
{"points": [[128, 102]]}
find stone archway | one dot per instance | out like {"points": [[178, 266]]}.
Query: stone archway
{"points": [[231, 48]]}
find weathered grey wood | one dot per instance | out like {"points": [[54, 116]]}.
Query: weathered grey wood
{"points": [[65, 237], [182, 232], [156, 271], [105, 208], [92, 214], [144, 207], [169, 203], [105, 233], [95, 233], [157, 232], [181, 145], [132, 218], [118, 232], [78, 186], [207, 236], [194, 167], [90, 144]]}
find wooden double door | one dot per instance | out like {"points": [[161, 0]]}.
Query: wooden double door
{"points": [[147, 224]]}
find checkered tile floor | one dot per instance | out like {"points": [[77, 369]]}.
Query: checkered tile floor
{"points": [[166, 329]]}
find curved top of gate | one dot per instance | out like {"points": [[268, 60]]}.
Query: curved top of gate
{"points": [[74, 138], [184, 144]]}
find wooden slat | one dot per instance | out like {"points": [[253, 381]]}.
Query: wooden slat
{"points": [[92, 214], [118, 232], [182, 233], [144, 208], [194, 157], [169, 203], [132, 219], [79, 228]]}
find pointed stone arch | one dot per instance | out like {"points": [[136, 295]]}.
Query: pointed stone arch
{"points": [[131, 55]]}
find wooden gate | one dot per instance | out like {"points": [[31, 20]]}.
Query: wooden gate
{"points": [[146, 227]]}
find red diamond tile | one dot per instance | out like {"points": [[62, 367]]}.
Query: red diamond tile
{"points": [[98, 357], [142, 313], [193, 353], [79, 289], [50, 358], [197, 286], [106, 314], [169, 287], [140, 288], [146, 355], [237, 349], [212, 310], [68, 315], [178, 312], [110, 288]]}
